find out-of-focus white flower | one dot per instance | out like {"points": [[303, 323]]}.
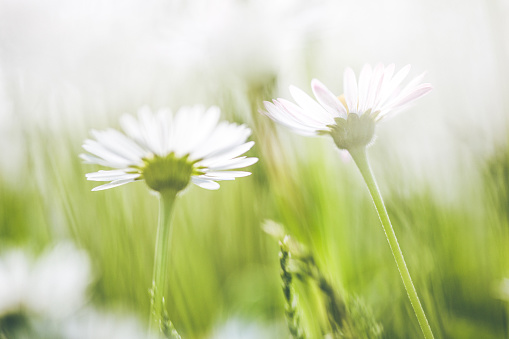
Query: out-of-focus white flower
{"points": [[351, 118], [98, 325], [52, 285], [59, 280], [168, 151], [15, 269], [241, 329]]}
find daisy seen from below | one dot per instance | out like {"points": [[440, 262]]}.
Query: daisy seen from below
{"points": [[168, 152], [350, 119]]}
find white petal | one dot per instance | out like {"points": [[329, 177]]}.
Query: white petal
{"points": [[118, 143], [187, 120], [407, 99], [304, 116], [111, 175], [311, 107], [327, 99], [103, 152], [205, 127], [234, 163], [295, 120], [387, 76], [374, 86], [227, 154], [280, 115], [203, 183], [391, 89], [216, 178], [418, 92], [150, 131], [90, 159], [364, 86], [164, 120], [224, 138], [112, 184], [351, 90], [414, 83], [226, 175]]}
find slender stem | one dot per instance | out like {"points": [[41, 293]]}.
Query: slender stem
{"points": [[158, 292], [291, 311], [361, 159]]}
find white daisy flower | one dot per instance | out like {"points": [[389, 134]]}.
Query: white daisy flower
{"points": [[53, 285], [168, 151], [351, 118], [91, 323]]}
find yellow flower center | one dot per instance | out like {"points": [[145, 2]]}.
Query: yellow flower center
{"points": [[343, 101]]}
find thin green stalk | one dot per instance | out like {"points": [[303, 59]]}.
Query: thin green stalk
{"points": [[158, 293], [360, 157], [291, 311]]}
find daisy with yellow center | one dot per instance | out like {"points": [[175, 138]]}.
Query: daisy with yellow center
{"points": [[351, 120], [168, 152]]}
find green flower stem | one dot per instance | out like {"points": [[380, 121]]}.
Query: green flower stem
{"points": [[291, 311], [158, 313], [360, 157]]}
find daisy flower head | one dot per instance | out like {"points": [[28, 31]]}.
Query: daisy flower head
{"points": [[170, 150], [350, 118]]}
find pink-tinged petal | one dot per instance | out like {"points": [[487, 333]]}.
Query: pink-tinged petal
{"points": [[351, 90], [375, 86], [304, 117], [280, 115], [327, 99], [413, 84], [413, 95], [364, 85], [388, 72], [405, 101], [387, 76], [391, 90], [310, 106]]}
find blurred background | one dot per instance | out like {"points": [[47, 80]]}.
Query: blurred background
{"points": [[78, 264]]}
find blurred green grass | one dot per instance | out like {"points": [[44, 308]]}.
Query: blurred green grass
{"points": [[224, 266]]}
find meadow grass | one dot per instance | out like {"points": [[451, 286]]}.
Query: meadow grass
{"points": [[224, 265]]}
